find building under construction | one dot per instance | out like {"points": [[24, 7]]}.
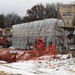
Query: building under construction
{"points": [[28, 32], [60, 31], [54, 34]]}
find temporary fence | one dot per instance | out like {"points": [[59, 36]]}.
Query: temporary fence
{"points": [[23, 55]]}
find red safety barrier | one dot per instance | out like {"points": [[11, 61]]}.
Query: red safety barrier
{"points": [[52, 50], [21, 55]]}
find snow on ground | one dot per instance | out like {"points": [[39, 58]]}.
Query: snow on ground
{"points": [[59, 66]]}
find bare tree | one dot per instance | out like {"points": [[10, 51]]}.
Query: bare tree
{"points": [[1, 21], [39, 12], [12, 19], [51, 10]]}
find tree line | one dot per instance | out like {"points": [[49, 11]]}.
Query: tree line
{"points": [[37, 12]]}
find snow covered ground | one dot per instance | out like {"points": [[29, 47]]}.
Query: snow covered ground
{"points": [[48, 66]]}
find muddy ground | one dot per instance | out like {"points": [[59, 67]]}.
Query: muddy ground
{"points": [[3, 73]]}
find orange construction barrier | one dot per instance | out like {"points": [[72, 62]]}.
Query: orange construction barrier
{"points": [[52, 50]]}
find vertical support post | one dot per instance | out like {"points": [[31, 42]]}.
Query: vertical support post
{"points": [[55, 34]]}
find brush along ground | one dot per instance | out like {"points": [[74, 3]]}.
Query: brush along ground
{"points": [[3, 73]]}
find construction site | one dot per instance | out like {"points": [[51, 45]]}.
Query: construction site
{"points": [[51, 37]]}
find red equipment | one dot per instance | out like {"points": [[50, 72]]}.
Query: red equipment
{"points": [[39, 43], [5, 38]]}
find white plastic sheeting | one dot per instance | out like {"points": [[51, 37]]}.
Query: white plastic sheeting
{"points": [[22, 33]]}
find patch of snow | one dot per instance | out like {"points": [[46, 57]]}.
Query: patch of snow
{"points": [[41, 67]]}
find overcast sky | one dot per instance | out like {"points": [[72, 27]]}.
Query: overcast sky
{"points": [[20, 6]]}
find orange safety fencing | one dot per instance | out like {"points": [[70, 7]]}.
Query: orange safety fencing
{"points": [[21, 55]]}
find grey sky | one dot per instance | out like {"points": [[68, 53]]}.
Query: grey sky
{"points": [[20, 6]]}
